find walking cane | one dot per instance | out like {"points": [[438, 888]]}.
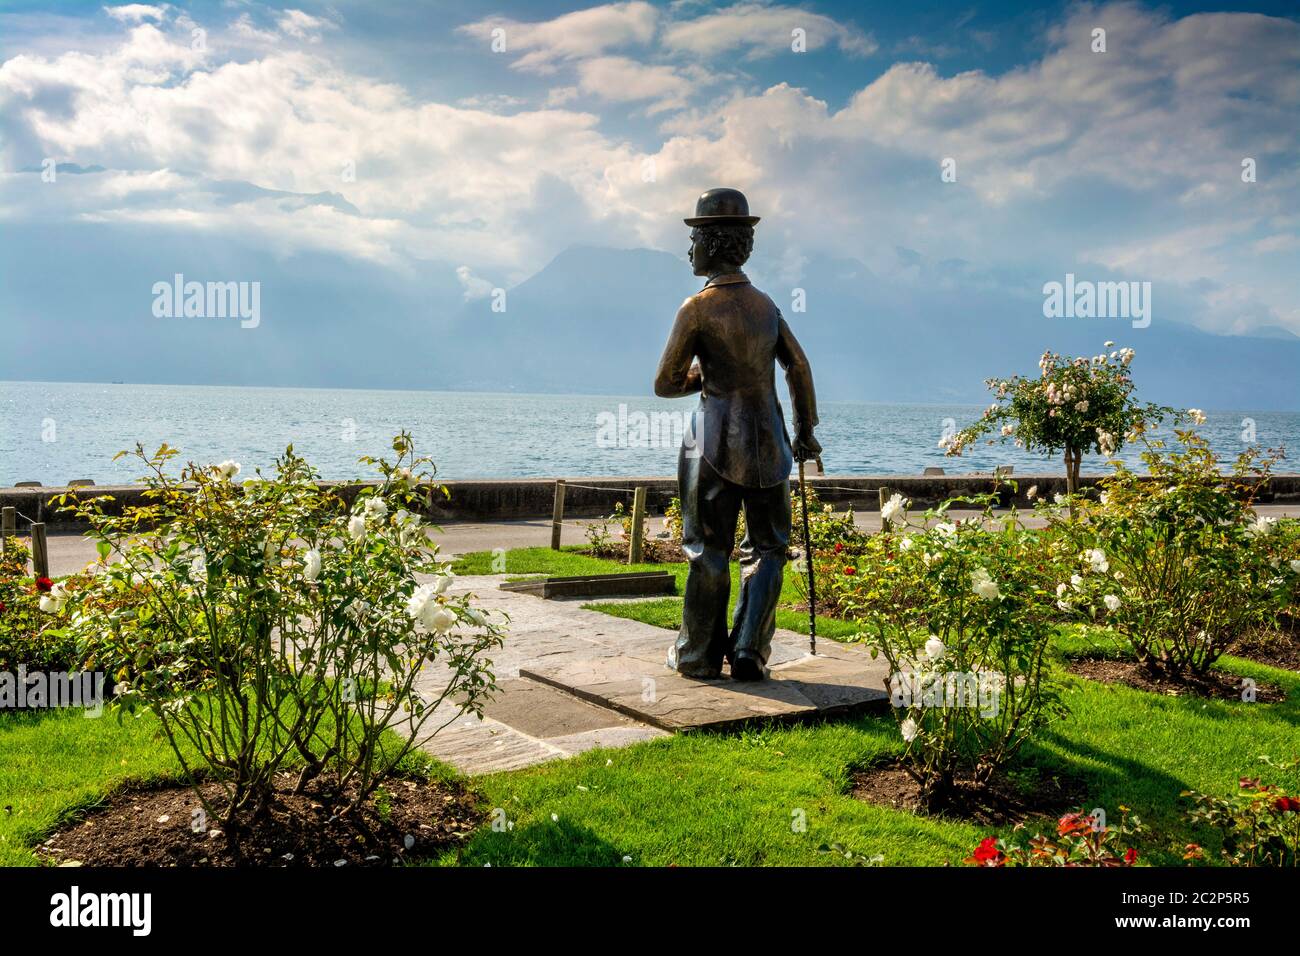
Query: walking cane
{"points": [[807, 553]]}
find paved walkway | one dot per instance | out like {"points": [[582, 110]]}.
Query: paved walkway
{"points": [[572, 679]]}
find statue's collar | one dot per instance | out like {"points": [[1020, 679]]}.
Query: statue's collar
{"points": [[730, 278]]}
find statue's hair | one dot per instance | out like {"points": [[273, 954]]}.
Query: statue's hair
{"points": [[729, 244]]}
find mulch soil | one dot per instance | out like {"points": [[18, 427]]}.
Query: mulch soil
{"points": [[407, 820], [1215, 685], [1279, 647], [1005, 800]]}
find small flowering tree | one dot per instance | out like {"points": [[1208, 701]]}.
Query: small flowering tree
{"points": [[963, 615], [1178, 563], [267, 623], [1074, 405]]}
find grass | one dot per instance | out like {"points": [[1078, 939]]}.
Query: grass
{"points": [[731, 798], [57, 762], [722, 799]]}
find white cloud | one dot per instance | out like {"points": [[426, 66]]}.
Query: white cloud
{"points": [[1128, 160], [620, 79], [474, 287], [763, 30], [572, 36], [137, 12], [303, 26]]}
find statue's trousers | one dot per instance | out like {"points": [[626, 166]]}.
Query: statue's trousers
{"points": [[710, 507]]}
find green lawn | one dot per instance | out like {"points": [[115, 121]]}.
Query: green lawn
{"points": [[719, 799]]}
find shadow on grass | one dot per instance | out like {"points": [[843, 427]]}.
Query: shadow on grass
{"points": [[543, 843]]}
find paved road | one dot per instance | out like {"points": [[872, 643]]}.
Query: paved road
{"points": [[71, 552]]}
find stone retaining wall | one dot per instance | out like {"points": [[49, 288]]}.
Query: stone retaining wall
{"points": [[505, 499]]}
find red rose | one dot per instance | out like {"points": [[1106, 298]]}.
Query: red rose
{"points": [[44, 584], [1130, 856], [850, 570], [1287, 804], [839, 546], [987, 853]]}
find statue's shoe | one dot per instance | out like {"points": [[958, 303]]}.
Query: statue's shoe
{"points": [[746, 665]]}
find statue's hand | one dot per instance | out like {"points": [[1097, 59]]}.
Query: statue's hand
{"points": [[807, 447]]}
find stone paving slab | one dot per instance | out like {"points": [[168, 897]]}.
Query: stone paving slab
{"points": [[571, 679], [650, 692]]}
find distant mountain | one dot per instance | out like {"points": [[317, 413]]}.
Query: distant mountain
{"points": [[594, 320]]}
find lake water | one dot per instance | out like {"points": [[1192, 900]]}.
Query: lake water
{"points": [[54, 432]]}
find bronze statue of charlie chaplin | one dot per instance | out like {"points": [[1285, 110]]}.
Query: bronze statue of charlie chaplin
{"points": [[725, 344]]}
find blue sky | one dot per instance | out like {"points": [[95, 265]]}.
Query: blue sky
{"points": [[392, 137]]}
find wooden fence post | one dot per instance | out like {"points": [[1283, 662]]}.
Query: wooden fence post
{"points": [[884, 497], [40, 556], [8, 527], [637, 543], [557, 515]]}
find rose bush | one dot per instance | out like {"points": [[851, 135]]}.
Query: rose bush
{"points": [[963, 615], [1259, 825], [266, 623], [1080, 840], [26, 639], [1177, 562]]}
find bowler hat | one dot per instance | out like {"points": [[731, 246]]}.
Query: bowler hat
{"points": [[722, 207]]}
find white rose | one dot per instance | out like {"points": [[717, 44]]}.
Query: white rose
{"points": [[909, 729], [946, 528], [1097, 558], [906, 544], [228, 469], [419, 600], [443, 582], [1112, 602], [1261, 527], [50, 604], [891, 508], [311, 565], [356, 527], [438, 618], [983, 585], [1077, 581], [376, 507], [1061, 589], [1295, 566], [934, 648], [1064, 606]]}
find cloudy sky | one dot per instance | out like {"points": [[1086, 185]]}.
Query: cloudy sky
{"points": [[487, 138]]}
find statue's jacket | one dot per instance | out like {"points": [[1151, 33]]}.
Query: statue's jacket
{"points": [[738, 335]]}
